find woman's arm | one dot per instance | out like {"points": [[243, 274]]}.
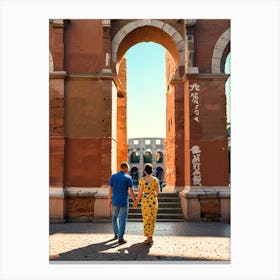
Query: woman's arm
{"points": [[157, 187], [139, 195]]}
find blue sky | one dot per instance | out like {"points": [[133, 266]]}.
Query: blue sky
{"points": [[146, 89]]}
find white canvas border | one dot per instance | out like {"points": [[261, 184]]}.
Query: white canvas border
{"points": [[255, 137]]}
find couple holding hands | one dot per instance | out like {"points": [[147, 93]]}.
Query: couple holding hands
{"points": [[120, 184]]}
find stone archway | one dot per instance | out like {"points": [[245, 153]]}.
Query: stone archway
{"points": [[166, 35], [176, 45], [218, 51]]}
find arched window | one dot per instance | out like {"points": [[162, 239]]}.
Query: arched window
{"points": [[147, 157], [134, 157], [159, 174], [134, 173], [159, 157]]}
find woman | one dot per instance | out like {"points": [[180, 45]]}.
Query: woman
{"points": [[148, 191]]}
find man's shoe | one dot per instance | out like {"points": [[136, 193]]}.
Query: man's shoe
{"points": [[115, 237], [122, 241]]}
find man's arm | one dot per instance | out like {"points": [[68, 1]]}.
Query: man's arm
{"points": [[110, 197], [131, 191]]}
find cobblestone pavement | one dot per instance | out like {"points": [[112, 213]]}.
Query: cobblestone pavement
{"points": [[173, 241]]}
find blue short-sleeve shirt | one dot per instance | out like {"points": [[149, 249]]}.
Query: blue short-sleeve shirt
{"points": [[120, 182]]}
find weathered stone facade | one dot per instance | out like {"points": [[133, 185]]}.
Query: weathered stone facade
{"points": [[88, 112]]}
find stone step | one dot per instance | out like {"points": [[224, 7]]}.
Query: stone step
{"points": [[167, 204], [164, 199], [158, 220], [160, 210], [167, 194], [162, 205], [168, 199], [169, 209], [160, 216]]}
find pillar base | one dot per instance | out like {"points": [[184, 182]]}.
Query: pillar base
{"points": [[209, 204], [57, 205], [101, 209], [79, 205]]}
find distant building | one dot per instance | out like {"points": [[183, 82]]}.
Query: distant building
{"points": [[146, 150]]}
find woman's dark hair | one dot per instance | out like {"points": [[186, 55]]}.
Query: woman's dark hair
{"points": [[148, 168]]}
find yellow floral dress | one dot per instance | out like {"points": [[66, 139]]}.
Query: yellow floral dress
{"points": [[149, 205]]}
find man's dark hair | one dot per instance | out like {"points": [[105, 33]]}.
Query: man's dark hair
{"points": [[124, 165]]}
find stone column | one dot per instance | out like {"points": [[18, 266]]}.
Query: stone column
{"points": [[175, 145], [206, 194], [57, 203], [122, 145]]}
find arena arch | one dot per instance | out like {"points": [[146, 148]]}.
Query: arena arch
{"points": [[159, 157], [159, 173], [220, 52], [134, 157], [134, 173], [147, 156]]}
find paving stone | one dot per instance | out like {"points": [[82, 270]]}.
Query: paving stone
{"points": [[177, 241]]}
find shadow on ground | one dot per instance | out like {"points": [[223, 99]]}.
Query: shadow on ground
{"points": [[106, 252]]}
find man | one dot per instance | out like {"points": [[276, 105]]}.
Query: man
{"points": [[120, 183]]}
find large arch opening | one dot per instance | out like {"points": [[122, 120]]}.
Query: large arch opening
{"points": [[171, 45]]}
